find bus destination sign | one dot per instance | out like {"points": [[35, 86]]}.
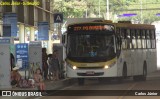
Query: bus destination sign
{"points": [[93, 28]]}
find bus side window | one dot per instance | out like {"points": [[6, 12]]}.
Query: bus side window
{"points": [[133, 37], [143, 39], [128, 39], [153, 40], [138, 34], [123, 33], [148, 39], [119, 42]]}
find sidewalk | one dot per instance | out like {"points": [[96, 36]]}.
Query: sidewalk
{"points": [[50, 85]]}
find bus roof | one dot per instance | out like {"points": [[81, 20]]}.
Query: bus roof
{"points": [[71, 21], [120, 25]]}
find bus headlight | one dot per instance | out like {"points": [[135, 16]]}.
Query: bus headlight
{"points": [[106, 67], [74, 67]]}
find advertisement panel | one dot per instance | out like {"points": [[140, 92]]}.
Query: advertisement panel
{"points": [[10, 19], [43, 28], [22, 55]]}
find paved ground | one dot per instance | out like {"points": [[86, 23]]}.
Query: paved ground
{"points": [[96, 90]]}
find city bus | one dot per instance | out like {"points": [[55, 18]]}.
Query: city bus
{"points": [[102, 49]]}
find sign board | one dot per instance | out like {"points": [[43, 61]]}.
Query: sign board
{"points": [[5, 66], [35, 56], [58, 18], [43, 29], [6, 30], [22, 55], [11, 19], [5, 41]]}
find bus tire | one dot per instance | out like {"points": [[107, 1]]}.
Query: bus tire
{"points": [[80, 81], [124, 73]]}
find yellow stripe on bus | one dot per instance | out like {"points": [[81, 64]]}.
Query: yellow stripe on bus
{"points": [[96, 64]]}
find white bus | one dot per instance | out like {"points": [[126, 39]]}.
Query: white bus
{"points": [[106, 49]]}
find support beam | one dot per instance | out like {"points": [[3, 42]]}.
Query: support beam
{"points": [[1, 28], [49, 48]]}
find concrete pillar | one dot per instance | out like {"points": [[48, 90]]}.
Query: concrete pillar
{"points": [[49, 48], [59, 32], [32, 34], [21, 33], [1, 29]]}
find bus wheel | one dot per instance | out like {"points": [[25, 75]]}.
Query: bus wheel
{"points": [[124, 75], [80, 81]]}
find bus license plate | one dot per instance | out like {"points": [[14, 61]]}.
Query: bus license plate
{"points": [[90, 72]]}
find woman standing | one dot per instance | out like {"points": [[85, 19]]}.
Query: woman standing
{"points": [[50, 67]]}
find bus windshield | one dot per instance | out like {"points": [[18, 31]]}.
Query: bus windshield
{"points": [[90, 47]]}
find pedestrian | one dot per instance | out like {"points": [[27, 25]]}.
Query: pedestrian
{"points": [[12, 61], [44, 63], [55, 64], [15, 77], [39, 80], [50, 67]]}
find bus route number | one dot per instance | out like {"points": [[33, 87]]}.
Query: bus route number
{"points": [[78, 28]]}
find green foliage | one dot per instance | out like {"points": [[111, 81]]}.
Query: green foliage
{"points": [[97, 8], [70, 8]]}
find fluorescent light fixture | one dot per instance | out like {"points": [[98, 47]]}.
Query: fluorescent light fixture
{"points": [[158, 14], [127, 15]]}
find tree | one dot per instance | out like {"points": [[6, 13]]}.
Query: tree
{"points": [[97, 8], [70, 8]]}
